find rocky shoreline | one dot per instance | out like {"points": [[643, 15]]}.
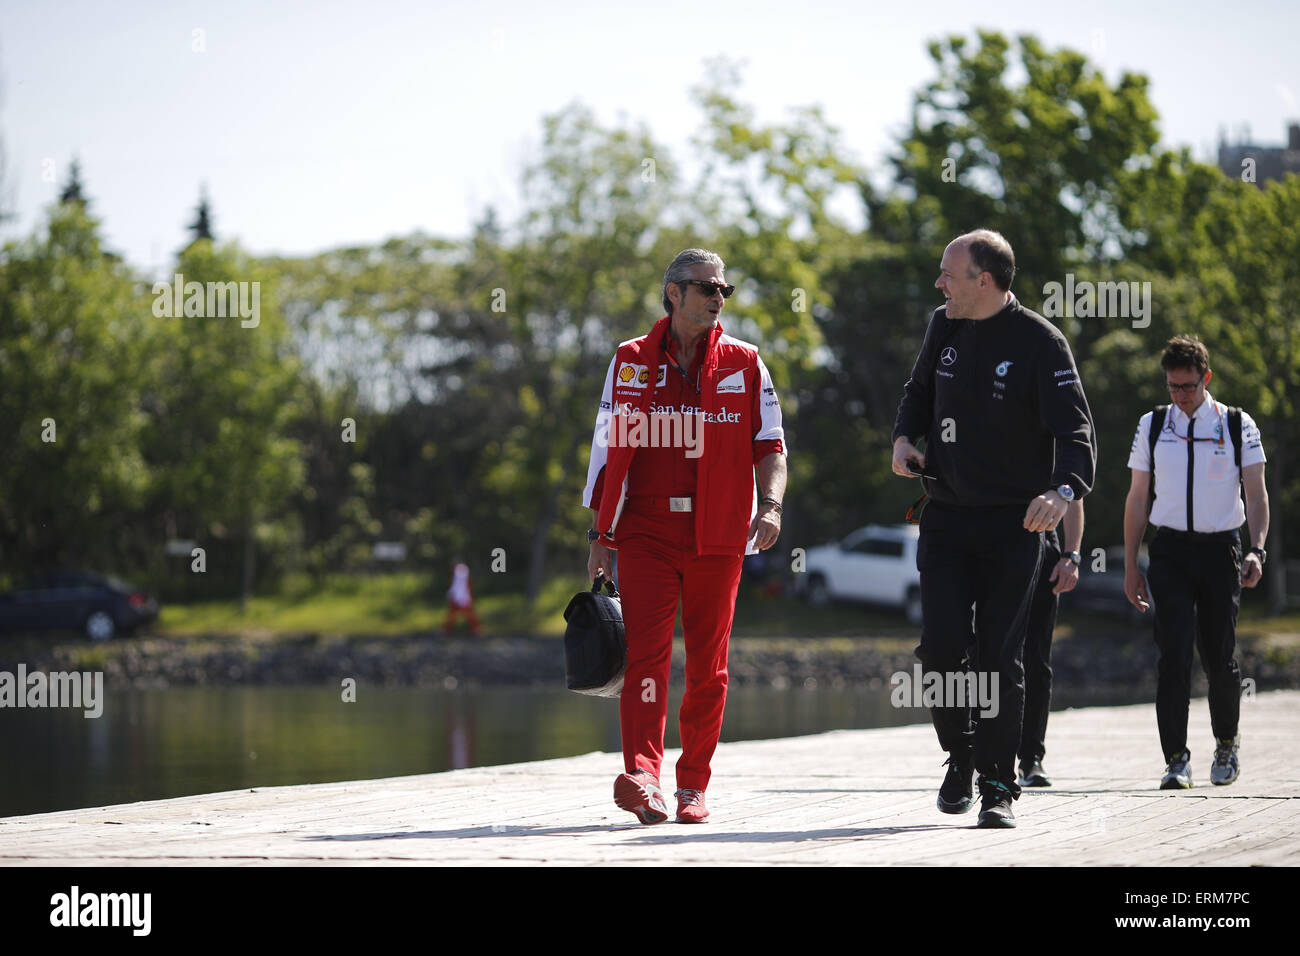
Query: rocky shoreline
{"points": [[1101, 663]]}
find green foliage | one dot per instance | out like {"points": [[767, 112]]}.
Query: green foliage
{"points": [[72, 324], [218, 392], [470, 369], [161, 427]]}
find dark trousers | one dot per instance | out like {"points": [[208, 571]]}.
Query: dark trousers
{"points": [[1038, 655], [980, 559], [1195, 582]]}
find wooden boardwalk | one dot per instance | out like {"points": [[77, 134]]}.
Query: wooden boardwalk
{"points": [[863, 797]]}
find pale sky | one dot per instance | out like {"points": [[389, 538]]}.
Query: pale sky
{"points": [[316, 125]]}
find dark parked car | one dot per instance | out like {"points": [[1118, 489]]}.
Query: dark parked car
{"points": [[98, 606], [1102, 592]]}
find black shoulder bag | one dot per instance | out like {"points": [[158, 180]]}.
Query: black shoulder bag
{"points": [[595, 646]]}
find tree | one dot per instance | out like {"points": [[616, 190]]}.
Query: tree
{"points": [[71, 476], [72, 189], [1039, 160], [223, 385], [201, 227], [1036, 144]]}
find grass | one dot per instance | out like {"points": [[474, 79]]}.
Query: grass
{"points": [[408, 603], [373, 605]]}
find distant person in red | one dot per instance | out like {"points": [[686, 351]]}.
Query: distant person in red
{"points": [[460, 599], [688, 422]]}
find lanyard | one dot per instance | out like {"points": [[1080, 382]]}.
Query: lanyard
{"points": [[1170, 426], [669, 355]]}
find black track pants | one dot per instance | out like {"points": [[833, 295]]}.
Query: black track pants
{"points": [[981, 559], [1196, 589]]}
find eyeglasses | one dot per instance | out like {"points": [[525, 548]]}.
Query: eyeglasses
{"points": [[710, 288], [1186, 389]]}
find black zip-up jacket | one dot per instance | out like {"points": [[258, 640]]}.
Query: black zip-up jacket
{"points": [[1002, 409]]}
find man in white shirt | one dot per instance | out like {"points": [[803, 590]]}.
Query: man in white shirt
{"points": [[1202, 453]]}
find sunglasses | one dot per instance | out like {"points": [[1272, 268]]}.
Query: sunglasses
{"points": [[710, 289], [1186, 389]]}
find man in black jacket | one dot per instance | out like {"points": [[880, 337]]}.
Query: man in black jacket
{"points": [[1009, 444]]}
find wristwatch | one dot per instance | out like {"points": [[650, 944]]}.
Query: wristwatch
{"points": [[593, 534], [1076, 557], [1066, 492], [1263, 555]]}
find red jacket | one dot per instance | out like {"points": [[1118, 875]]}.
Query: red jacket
{"points": [[738, 422]]}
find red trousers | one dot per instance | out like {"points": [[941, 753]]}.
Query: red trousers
{"points": [[454, 611], [657, 567]]}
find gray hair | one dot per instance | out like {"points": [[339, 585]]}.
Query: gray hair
{"points": [[679, 270]]}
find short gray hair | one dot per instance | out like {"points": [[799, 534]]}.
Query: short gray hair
{"points": [[679, 270]]}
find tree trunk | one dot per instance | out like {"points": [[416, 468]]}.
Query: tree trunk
{"points": [[1276, 552], [247, 589], [542, 530]]}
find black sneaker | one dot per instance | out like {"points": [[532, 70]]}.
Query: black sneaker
{"points": [[957, 792], [995, 805], [1178, 775], [1031, 774], [1225, 768]]}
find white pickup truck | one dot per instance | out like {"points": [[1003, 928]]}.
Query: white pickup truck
{"points": [[875, 564]]}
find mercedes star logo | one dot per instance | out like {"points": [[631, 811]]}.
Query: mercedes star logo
{"points": [[948, 355]]}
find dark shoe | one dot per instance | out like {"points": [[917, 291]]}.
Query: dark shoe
{"points": [[1178, 775], [690, 806], [1225, 768], [639, 792], [995, 805], [1031, 774], [957, 792]]}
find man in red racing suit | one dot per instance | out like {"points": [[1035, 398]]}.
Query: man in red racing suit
{"points": [[687, 419]]}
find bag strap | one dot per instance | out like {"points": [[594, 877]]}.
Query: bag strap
{"points": [[610, 589], [1153, 435], [1234, 429]]}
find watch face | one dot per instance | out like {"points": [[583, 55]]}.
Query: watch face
{"points": [[1066, 492]]}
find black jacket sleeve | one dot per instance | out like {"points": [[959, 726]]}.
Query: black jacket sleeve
{"points": [[916, 410], [1065, 412]]}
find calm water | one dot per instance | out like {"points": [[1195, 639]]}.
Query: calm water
{"points": [[152, 744]]}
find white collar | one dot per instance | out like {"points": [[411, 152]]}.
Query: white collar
{"points": [[1210, 410]]}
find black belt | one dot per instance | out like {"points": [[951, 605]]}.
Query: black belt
{"points": [[1197, 535]]}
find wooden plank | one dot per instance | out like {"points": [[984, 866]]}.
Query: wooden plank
{"points": [[839, 798]]}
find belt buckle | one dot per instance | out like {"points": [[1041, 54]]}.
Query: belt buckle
{"points": [[679, 504]]}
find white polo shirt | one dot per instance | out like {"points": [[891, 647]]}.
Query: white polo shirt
{"points": [[1215, 489]]}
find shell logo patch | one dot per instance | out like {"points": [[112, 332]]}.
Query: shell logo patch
{"points": [[633, 376]]}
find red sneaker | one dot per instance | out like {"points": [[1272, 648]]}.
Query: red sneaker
{"points": [[639, 793], [690, 806]]}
